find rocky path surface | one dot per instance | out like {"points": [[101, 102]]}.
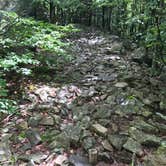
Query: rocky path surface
{"points": [[102, 109]]}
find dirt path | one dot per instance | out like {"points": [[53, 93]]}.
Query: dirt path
{"points": [[101, 100]]}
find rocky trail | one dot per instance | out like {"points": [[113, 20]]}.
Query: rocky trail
{"points": [[102, 109]]}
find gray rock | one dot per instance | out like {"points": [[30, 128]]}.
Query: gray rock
{"points": [[147, 101], [103, 112], [86, 133], [88, 143], [99, 129], [144, 126], [163, 105], [133, 146], [161, 127], [155, 160], [160, 116], [78, 160], [25, 147], [158, 158], [33, 121], [5, 153], [33, 136], [110, 100], [60, 141], [47, 121], [23, 125], [105, 156], [121, 84], [61, 160], [117, 140], [116, 48], [37, 158], [104, 122], [73, 133], [107, 145], [143, 138]]}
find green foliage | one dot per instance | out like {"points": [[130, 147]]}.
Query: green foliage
{"points": [[26, 44], [6, 105], [13, 61]]}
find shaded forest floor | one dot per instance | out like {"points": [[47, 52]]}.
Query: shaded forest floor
{"points": [[102, 100]]}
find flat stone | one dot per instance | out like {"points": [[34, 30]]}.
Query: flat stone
{"points": [[23, 125], [117, 140], [143, 138], [107, 146], [160, 116], [105, 156], [110, 100], [161, 127], [116, 48], [47, 121], [60, 141], [37, 157], [33, 136], [99, 129], [155, 160], [78, 160], [144, 126], [73, 133], [88, 143], [133, 146], [33, 121], [103, 112], [147, 101], [61, 159], [102, 164], [121, 84], [56, 118], [5, 153]]}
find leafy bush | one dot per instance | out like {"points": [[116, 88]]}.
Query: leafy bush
{"points": [[25, 43]]}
